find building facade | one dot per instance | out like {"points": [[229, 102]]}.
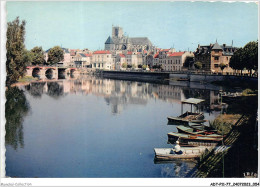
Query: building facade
{"points": [[213, 55], [102, 60]]}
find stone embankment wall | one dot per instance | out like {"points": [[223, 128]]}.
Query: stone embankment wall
{"points": [[210, 78], [161, 76]]}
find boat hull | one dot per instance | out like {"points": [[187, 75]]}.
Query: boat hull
{"points": [[201, 133], [187, 118], [188, 139], [167, 154]]}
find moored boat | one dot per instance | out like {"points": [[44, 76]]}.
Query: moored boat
{"points": [[168, 154], [190, 139], [198, 132], [189, 117]]}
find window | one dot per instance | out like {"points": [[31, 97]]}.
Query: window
{"points": [[216, 65], [216, 58]]}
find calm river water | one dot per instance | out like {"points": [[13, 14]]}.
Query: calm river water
{"points": [[94, 127]]}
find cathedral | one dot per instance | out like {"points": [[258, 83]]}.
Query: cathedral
{"points": [[119, 42]]}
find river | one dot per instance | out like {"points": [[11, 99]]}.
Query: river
{"points": [[94, 128]]}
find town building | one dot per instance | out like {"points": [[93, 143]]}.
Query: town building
{"points": [[211, 56], [83, 60], [175, 60], [102, 60], [120, 59]]}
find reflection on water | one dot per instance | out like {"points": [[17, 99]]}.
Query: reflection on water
{"points": [[16, 107], [118, 93], [95, 127]]}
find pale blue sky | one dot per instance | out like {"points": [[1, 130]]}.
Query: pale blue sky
{"points": [[182, 24]]}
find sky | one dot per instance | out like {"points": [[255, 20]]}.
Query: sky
{"points": [[182, 25]]}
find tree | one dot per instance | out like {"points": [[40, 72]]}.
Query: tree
{"points": [[133, 66], [246, 57], [250, 56], [236, 61], [16, 54], [129, 66], [37, 56], [124, 65], [222, 66], [189, 61], [55, 55], [144, 67], [198, 65], [139, 66]]}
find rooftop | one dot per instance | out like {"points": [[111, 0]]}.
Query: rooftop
{"points": [[177, 54], [102, 52]]}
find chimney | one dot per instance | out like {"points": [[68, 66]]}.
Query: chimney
{"points": [[198, 45]]}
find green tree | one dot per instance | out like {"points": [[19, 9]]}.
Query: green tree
{"points": [[37, 56], [55, 55], [189, 61], [222, 66], [250, 56], [236, 61], [139, 66], [198, 65], [16, 54], [124, 65], [144, 67]]}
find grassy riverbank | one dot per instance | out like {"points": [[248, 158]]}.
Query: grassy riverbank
{"points": [[27, 79]]}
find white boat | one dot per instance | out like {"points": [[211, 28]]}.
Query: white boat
{"points": [[187, 153]]}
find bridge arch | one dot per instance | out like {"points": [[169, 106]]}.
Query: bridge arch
{"points": [[49, 73], [36, 72]]}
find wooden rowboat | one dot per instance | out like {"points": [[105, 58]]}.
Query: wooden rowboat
{"points": [[168, 154], [197, 132], [188, 117], [190, 139]]}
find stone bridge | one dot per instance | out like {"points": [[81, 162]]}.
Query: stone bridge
{"points": [[49, 70]]}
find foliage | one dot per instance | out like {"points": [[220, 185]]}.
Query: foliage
{"points": [[55, 55], [129, 66], [144, 66], [37, 56], [157, 66], [246, 57], [124, 65], [189, 61], [198, 65], [133, 66], [236, 61], [16, 54], [223, 123], [251, 56], [139, 66], [27, 79], [16, 107], [248, 92]]}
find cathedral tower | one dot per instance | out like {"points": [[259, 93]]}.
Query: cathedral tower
{"points": [[117, 32]]}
